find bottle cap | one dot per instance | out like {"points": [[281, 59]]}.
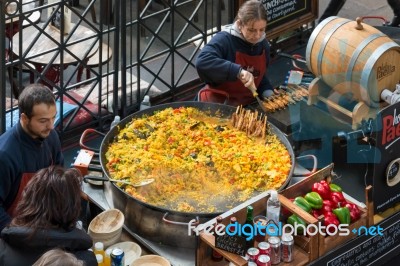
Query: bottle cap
{"points": [[99, 246], [108, 252], [274, 194], [99, 258]]}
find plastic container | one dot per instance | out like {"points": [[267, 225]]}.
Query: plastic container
{"points": [[273, 207], [145, 103]]}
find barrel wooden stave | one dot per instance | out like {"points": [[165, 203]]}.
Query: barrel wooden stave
{"points": [[360, 63]]}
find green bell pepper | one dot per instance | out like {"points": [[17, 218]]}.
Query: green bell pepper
{"points": [[302, 203], [314, 200], [335, 188], [296, 220], [343, 214]]}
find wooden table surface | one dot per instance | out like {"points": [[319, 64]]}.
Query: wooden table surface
{"points": [[40, 48]]}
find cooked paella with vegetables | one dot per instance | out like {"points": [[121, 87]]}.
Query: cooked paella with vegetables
{"points": [[199, 163]]}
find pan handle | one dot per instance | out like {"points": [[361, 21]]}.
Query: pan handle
{"points": [[314, 168], [94, 177], [296, 58], [84, 136], [165, 220]]}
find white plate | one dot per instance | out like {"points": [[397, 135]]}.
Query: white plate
{"points": [[132, 251], [151, 260]]}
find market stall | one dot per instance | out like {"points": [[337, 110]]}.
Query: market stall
{"points": [[344, 114]]}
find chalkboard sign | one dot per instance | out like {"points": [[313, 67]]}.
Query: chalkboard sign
{"points": [[234, 244], [367, 250], [284, 15], [282, 11]]}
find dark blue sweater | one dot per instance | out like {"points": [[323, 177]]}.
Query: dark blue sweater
{"points": [[19, 154], [216, 62]]}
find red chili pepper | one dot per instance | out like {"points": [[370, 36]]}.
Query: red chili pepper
{"points": [[355, 212], [170, 140], [178, 110], [338, 199], [322, 188], [207, 142]]}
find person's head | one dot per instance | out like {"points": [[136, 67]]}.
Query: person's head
{"points": [[58, 257], [37, 108], [251, 20], [52, 199]]}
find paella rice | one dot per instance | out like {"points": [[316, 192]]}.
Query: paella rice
{"points": [[199, 162]]}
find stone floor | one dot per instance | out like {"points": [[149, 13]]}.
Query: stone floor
{"points": [[353, 9]]}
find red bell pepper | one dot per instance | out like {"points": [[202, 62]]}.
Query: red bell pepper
{"points": [[331, 218], [286, 212], [355, 212], [322, 188], [327, 206], [328, 203], [316, 213], [338, 199]]}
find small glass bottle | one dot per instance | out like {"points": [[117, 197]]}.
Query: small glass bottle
{"points": [[249, 221], [107, 257], [216, 256], [99, 249], [232, 220], [273, 207]]}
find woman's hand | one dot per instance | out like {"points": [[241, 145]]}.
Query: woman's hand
{"points": [[246, 78]]}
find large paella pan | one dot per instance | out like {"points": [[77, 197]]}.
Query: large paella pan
{"points": [[199, 161], [123, 156]]}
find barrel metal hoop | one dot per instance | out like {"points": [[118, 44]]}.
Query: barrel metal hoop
{"points": [[312, 38], [325, 43], [358, 51], [365, 75]]}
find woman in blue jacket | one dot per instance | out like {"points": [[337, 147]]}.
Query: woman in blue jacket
{"points": [[236, 57]]}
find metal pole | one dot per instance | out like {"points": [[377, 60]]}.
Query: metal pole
{"points": [[2, 70]]}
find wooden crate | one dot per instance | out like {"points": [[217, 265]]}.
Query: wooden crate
{"points": [[327, 243], [303, 253]]}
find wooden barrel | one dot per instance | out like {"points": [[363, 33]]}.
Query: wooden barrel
{"points": [[354, 59]]}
